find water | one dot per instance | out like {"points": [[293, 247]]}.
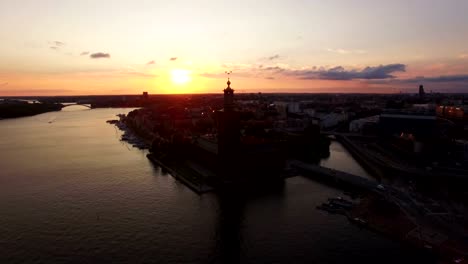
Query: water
{"points": [[341, 159], [71, 192]]}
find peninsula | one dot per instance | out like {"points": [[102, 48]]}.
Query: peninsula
{"points": [[19, 108]]}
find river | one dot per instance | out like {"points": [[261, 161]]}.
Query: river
{"points": [[71, 192], [341, 159]]}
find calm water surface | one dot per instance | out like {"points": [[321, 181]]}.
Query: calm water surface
{"points": [[71, 192], [341, 159]]}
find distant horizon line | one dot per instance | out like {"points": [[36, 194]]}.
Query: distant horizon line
{"points": [[285, 93]]}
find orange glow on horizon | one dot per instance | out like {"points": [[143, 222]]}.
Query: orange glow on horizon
{"points": [[172, 81]]}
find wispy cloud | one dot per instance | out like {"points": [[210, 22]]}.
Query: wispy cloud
{"points": [[439, 79], [173, 59], [3, 84], [84, 53], [345, 51], [151, 62], [55, 45], [58, 43], [136, 72], [463, 56], [274, 57], [448, 83], [99, 55], [276, 69]]}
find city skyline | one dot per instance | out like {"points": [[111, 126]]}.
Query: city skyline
{"points": [[123, 47]]}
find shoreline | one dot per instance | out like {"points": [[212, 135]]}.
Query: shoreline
{"points": [[200, 188]]}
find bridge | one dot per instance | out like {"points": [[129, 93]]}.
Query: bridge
{"points": [[77, 103], [346, 134]]}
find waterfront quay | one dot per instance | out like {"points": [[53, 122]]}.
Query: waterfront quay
{"points": [[190, 174], [332, 176]]}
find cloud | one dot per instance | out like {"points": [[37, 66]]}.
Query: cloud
{"points": [[447, 83], [344, 51], [84, 53], [242, 74], [339, 73], [58, 43], [276, 69], [4, 84], [173, 59], [274, 57], [151, 62], [55, 45], [380, 72], [439, 79], [463, 56], [99, 55], [270, 78]]}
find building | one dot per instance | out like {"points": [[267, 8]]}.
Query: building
{"points": [[366, 125], [452, 112], [416, 132], [233, 159], [421, 92], [228, 126]]}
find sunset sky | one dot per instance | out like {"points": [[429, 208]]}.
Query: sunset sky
{"points": [[85, 47]]}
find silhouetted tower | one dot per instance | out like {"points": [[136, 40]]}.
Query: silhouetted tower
{"points": [[228, 128], [228, 96], [421, 92]]}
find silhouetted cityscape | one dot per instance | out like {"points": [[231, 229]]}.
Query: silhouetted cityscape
{"points": [[234, 131]]}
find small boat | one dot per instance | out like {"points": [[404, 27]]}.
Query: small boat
{"points": [[330, 209], [358, 221], [340, 202]]}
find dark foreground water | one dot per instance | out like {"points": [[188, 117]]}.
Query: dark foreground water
{"points": [[71, 192]]}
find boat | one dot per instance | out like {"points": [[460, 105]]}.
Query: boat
{"points": [[330, 208], [358, 221], [340, 202]]}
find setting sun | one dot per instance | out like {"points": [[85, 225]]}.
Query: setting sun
{"points": [[179, 76]]}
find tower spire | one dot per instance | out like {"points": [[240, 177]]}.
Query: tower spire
{"points": [[229, 79], [228, 95]]}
